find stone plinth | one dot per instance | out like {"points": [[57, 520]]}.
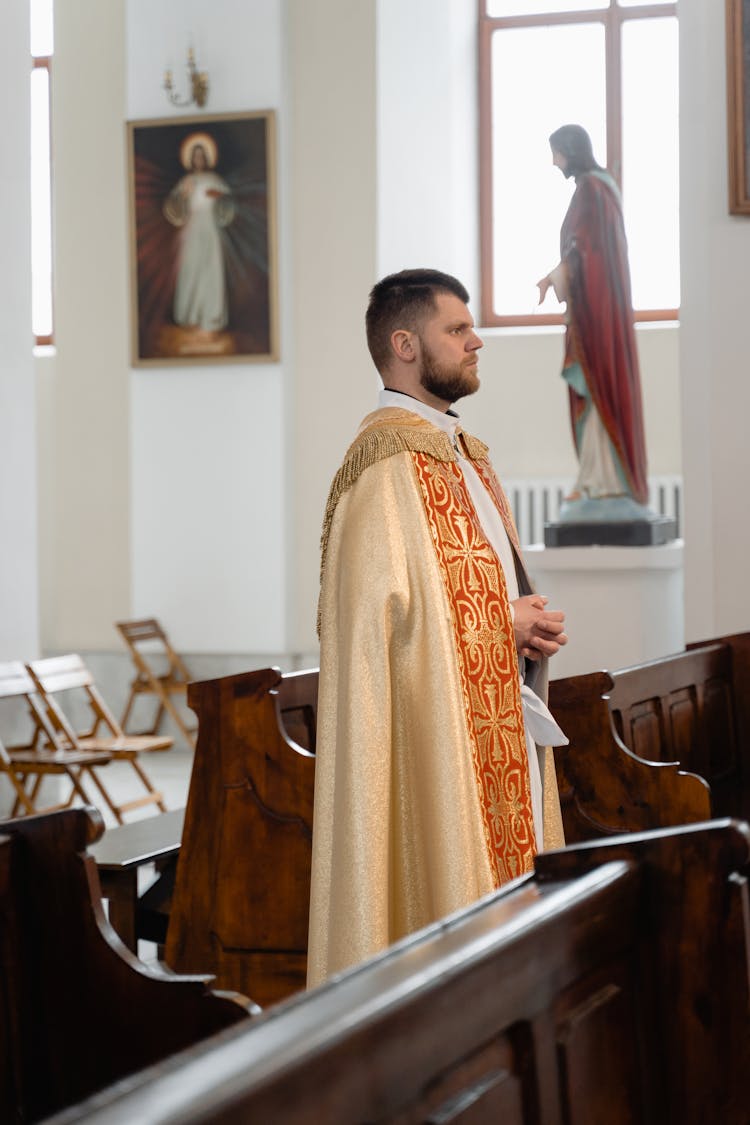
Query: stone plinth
{"points": [[623, 605]]}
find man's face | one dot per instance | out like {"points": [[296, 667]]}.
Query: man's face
{"points": [[199, 160], [448, 351]]}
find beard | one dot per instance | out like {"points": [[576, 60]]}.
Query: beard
{"points": [[448, 381]]}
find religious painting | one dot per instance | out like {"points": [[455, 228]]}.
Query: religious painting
{"points": [[738, 93], [203, 241]]}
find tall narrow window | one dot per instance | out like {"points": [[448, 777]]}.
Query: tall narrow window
{"points": [[42, 44], [611, 66]]}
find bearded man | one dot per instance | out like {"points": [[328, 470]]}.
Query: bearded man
{"points": [[435, 782]]}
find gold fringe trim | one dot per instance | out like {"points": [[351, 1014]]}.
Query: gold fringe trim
{"points": [[382, 434]]}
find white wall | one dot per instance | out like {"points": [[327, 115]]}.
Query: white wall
{"points": [[197, 493], [427, 137], [19, 604], [207, 450], [332, 86], [714, 341]]}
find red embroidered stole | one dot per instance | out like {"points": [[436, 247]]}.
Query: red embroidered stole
{"points": [[487, 659]]}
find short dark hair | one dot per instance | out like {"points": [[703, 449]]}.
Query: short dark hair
{"points": [[574, 143], [403, 300]]}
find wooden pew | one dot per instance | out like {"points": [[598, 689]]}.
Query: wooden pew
{"points": [[120, 855], [242, 891], [693, 708], [610, 987], [77, 1010], [688, 712], [604, 787], [241, 900]]}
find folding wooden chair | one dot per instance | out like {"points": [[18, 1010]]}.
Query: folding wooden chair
{"points": [[160, 672], [27, 766], [68, 674]]}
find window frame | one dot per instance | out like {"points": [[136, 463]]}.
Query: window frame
{"points": [[612, 18]]}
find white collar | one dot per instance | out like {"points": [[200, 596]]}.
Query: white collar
{"points": [[446, 422]]}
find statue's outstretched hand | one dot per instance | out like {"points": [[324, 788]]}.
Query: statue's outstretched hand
{"points": [[543, 286]]}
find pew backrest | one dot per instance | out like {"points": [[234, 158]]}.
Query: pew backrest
{"points": [[604, 787], [563, 997], [691, 708], [78, 1011], [241, 901]]}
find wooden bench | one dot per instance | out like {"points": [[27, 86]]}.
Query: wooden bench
{"points": [[693, 708], [604, 787], [242, 891], [686, 712], [241, 901], [120, 855], [610, 987], [77, 1010]]}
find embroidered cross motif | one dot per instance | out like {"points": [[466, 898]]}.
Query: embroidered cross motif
{"points": [[488, 666]]}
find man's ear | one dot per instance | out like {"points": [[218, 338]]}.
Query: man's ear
{"points": [[403, 345]]}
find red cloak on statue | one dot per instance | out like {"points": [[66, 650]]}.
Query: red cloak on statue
{"points": [[600, 334]]}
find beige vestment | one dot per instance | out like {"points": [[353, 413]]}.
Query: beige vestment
{"points": [[422, 797]]}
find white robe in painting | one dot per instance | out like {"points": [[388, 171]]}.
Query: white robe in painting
{"points": [[201, 293]]}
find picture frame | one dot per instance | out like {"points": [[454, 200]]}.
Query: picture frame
{"points": [[738, 104], [203, 239]]}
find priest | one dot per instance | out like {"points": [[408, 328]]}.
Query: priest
{"points": [[435, 781]]}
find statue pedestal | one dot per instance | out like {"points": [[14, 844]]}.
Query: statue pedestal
{"points": [[611, 521], [622, 605], [633, 533]]}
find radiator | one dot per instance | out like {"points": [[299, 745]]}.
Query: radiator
{"points": [[536, 501]]}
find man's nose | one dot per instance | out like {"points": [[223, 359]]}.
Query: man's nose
{"points": [[475, 342]]}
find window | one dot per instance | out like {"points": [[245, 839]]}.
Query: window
{"points": [[41, 38], [611, 66]]}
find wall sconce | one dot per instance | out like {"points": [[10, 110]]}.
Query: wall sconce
{"points": [[198, 84]]}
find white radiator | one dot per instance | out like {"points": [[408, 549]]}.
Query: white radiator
{"points": [[536, 501]]}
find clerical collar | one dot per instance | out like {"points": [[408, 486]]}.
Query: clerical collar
{"points": [[446, 421]]}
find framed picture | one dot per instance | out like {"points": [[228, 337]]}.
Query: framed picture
{"points": [[738, 104], [203, 239]]}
